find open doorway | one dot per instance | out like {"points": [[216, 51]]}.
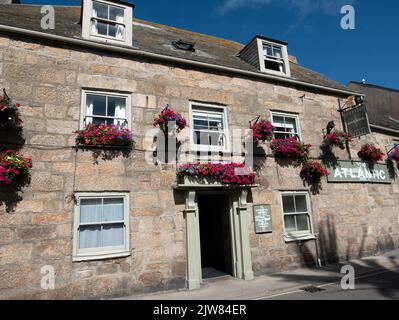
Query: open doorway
{"points": [[215, 235]]}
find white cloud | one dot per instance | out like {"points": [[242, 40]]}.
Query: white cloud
{"points": [[302, 8]]}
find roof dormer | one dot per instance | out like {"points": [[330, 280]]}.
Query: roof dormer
{"points": [[108, 21], [268, 55]]}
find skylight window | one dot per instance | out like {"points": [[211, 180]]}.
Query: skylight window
{"points": [[184, 45]]}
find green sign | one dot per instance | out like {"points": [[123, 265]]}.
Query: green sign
{"points": [[356, 171], [263, 218]]}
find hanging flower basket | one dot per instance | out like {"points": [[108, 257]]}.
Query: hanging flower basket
{"points": [[10, 115], [337, 139], [290, 148], [228, 175], [312, 172], [168, 115], [13, 166], [262, 130], [104, 135], [370, 153], [394, 155]]}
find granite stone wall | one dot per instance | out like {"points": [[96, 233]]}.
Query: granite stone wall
{"points": [[351, 219]]}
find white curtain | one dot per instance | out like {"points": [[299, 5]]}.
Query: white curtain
{"points": [[94, 28], [101, 234], [89, 109], [120, 112], [120, 29]]}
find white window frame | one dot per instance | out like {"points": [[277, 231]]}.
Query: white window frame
{"points": [[298, 235], [105, 252], [128, 23], [83, 108], [206, 148], [262, 58], [287, 115]]}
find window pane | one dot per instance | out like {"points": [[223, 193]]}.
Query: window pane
{"points": [[302, 221], [278, 121], [267, 50], [277, 52], [216, 122], [102, 28], [215, 139], [300, 203], [200, 122], [100, 10], [112, 30], [289, 222], [113, 209], [97, 121], [113, 235], [89, 237], [116, 107], [90, 210], [96, 105], [290, 124], [116, 14], [281, 136], [288, 204]]}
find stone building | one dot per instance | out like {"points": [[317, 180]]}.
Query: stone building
{"points": [[111, 223]]}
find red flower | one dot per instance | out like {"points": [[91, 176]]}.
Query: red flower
{"points": [[166, 116], [370, 153], [104, 134], [231, 174], [337, 139], [312, 172], [262, 130], [290, 148]]}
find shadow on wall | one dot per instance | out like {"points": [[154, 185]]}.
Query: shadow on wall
{"points": [[332, 260], [10, 195], [11, 138]]}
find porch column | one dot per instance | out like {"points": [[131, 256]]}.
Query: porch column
{"points": [[193, 248], [247, 272]]}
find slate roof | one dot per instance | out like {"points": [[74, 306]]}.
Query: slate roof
{"points": [[154, 38], [382, 104]]}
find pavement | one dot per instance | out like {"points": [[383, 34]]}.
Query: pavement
{"points": [[376, 277]]}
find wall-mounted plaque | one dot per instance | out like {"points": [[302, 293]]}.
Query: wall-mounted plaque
{"points": [[263, 218], [356, 171]]}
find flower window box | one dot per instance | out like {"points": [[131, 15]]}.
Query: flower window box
{"points": [[216, 174], [394, 155], [104, 136]]}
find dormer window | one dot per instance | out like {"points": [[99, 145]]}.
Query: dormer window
{"points": [[108, 21], [268, 55], [273, 57]]}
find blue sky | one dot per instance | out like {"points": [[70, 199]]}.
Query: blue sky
{"points": [[311, 27]]}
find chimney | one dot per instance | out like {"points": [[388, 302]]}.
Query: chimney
{"points": [[10, 1]]}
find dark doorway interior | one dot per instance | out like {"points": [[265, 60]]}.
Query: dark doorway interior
{"points": [[216, 256]]}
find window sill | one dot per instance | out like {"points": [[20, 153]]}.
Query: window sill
{"points": [[99, 256], [298, 238]]}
